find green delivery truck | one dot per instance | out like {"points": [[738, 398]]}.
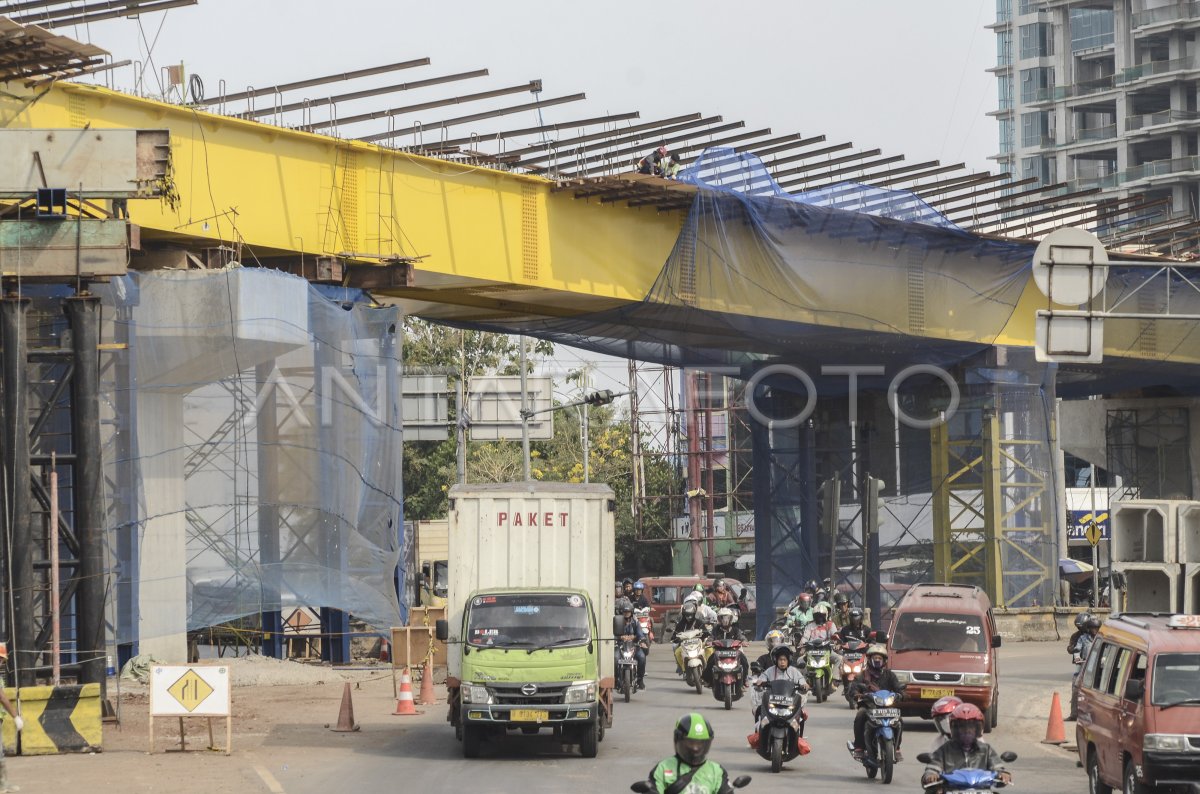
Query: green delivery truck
{"points": [[529, 613]]}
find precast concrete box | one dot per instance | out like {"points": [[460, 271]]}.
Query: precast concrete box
{"points": [[1151, 587], [1191, 588], [1188, 551], [1144, 531]]}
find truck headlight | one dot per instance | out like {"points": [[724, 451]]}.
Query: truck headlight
{"points": [[1165, 741], [902, 676], [475, 694], [584, 692], [977, 679]]}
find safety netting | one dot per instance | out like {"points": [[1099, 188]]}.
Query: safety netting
{"points": [[253, 451], [814, 298]]}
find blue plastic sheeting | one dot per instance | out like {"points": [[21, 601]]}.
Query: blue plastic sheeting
{"points": [[255, 458]]}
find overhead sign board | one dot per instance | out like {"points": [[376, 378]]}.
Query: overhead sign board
{"points": [[495, 407]]}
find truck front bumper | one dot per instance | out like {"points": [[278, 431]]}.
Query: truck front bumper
{"points": [[547, 715]]}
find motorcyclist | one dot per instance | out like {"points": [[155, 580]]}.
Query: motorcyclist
{"points": [[801, 614], [964, 749], [639, 596], [1080, 621], [841, 609], [689, 768], [690, 618], [633, 630], [723, 595], [781, 668], [940, 714], [856, 628], [822, 629], [726, 629], [774, 639], [1080, 651], [876, 676]]}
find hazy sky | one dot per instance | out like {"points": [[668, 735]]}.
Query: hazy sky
{"points": [[906, 76]]}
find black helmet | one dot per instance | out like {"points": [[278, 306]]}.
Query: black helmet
{"points": [[624, 605], [689, 608], [627, 581], [840, 598], [856, 616], [781, 650], [1081, 620], [693, 737], [1093, 622]]}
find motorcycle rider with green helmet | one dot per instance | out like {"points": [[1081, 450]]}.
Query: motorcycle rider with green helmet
{"points": [[689, 765]]}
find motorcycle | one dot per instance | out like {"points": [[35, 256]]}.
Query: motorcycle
{"points": [[853, 656], [691, 656], [647, 786], [627, 667], [882, 733], [643, 618], [967, 781], [727, 671], [781, 723], [818, 664]]}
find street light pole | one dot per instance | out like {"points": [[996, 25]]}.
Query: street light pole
{"points": [[525, 414], [601, 397]]}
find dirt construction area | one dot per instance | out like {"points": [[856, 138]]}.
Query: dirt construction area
{"points": [[280, 713]]}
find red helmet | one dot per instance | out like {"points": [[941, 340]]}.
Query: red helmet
{"points": [[945, 706], [965, 712], [805, 600]]}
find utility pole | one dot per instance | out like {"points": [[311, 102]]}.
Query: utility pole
{"points": [[524, 417]]}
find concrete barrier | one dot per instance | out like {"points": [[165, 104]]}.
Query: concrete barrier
{"points": [[1040, 624], [1151, 586], [58, 719]]}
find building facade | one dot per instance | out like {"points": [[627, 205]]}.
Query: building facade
{"points": [[1102, 94]]}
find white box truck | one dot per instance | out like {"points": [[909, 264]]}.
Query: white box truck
{"points": [[529, 612]]}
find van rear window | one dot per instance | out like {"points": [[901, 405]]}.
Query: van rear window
{"points": [[1176, 679], [932, 631]]}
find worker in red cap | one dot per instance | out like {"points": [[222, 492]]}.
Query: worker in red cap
{"points": [[17, 721], [652, 163]]}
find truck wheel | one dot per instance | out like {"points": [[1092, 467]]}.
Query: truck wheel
{"points": [[989, 718], [1130, 783], [472, 738], [589, 740], [996, 710]]}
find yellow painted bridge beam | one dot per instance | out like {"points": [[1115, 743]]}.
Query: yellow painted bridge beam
{"points": [[491, 244]]}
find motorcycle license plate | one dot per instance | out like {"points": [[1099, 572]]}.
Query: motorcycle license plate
{"points": [[935, 694], [885, 713], [528, 715]]}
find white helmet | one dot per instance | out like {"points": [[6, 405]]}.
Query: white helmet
{"points": [[725, 617], [774, 638]]}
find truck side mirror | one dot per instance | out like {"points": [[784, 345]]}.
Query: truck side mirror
{"points": [[1134, 689], [618, 625], [441, 630], [995, 640]]}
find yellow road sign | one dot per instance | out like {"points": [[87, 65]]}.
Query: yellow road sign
{"points": [[1093, 533], [190, 690]]}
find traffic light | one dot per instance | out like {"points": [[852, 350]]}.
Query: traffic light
{"points": [[602, 397], [874, 502], [830, 499]]}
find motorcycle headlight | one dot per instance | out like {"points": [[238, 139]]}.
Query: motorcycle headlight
{"points": [[1165, 741], [779, 711], [977, 679], [885, 702], [584, 692], [475, 694], [903, 677]]}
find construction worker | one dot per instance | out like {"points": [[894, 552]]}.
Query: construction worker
{"points": [[652, 163], [671, 167]]}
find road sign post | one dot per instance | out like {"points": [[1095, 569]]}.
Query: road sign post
{"points": [[192, 691]]}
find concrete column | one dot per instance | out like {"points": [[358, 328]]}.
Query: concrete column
{"points": [[267, 437], [162, 559]]}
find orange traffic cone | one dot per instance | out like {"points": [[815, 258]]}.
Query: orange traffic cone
{"points": [[404, 700], [427, 697], [1055, 730], [385, 654], [346, 723]]}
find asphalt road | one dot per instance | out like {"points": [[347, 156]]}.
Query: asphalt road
{"points": [[426, 756]]}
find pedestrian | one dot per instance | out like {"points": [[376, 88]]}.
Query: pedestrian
{"points": [[652, 163], [17, 722]]}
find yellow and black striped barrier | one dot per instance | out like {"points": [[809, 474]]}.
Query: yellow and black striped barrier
{"points": [[58, 719]]}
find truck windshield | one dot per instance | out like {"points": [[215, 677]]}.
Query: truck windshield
{"points": [[527, 620], [1176, 679], [932, 631]]}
